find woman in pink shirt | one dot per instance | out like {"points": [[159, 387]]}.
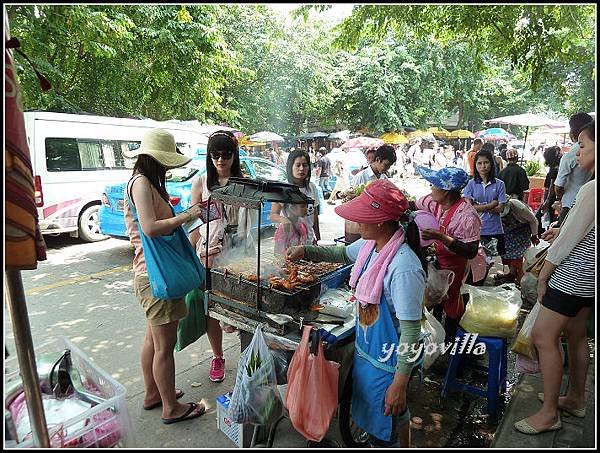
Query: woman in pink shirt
{"points": [[457, 240]]}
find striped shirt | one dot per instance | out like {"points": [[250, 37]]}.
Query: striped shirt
{"points": [[576, 275]]}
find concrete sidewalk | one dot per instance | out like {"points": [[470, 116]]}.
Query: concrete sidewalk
{"points": [[575, 433]]}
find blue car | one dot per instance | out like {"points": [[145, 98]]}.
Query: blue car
{"points": [[179, 186]]}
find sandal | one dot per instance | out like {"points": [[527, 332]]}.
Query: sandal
{"points": [[189, 414], [178, 394]]}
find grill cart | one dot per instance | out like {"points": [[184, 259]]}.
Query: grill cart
{"points": [[240, 292]]}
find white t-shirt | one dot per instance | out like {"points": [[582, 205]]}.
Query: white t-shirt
{"points": [[365, 176]]}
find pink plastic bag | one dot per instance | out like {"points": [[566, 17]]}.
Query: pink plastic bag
{"points": [[312, 391]]}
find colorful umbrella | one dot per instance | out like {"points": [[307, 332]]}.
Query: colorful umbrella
{"points": [[438, 132], [362, 142], [495, 133], [395, 138], [461, 133]]}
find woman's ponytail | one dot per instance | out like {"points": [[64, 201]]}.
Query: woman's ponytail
{"points": [[413, 239]]}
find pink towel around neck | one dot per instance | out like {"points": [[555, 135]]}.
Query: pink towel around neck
{"points": [[369, 286]]}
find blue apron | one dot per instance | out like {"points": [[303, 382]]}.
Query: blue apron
{"points": [[372, 377]]}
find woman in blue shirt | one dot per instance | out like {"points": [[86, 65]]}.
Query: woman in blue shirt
{"points": [[388, 280], [487, 194]]}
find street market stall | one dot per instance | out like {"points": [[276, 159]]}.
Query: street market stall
{"points": [[262, 289]]}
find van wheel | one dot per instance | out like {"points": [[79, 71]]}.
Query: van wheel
{"points": [[89, 227]]}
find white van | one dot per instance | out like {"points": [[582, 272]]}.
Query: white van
{"points": [[75, 156]]}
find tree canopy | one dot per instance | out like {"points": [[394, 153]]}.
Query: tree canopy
{"points": [[383, 68]]}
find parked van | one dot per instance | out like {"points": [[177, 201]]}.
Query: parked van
{"points": [[75, 156]]}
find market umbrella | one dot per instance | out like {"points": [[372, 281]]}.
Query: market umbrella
{"points": [[341, 135], [422, 134], [461, 133], [245, 141], [438, 132], [528, 120], [266, 136], [394, 138], [495, 133], [23, 241], [362, 142]]}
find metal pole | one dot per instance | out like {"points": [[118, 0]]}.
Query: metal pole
{"points": [[26, 356], [258, 261], [525, 141]]}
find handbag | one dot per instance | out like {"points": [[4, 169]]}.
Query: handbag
{"points": [[171, 262], [193, 326], [312, 392]]}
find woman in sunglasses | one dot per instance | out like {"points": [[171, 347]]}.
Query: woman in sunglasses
{"points": [[222, 162]]}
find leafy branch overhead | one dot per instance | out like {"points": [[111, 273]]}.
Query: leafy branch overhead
{"points": [[383, 68], [531, 37]]}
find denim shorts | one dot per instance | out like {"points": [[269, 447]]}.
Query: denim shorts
{"points": [[397, 421]]}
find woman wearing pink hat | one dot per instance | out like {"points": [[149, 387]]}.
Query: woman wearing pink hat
{"points": [[388, 280]]}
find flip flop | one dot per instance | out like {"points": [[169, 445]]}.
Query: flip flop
{"points": [[178, 394], [525, 428], [579, 413], [186, 416]]}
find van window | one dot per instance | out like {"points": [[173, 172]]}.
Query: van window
{"points": [[70, 154]]}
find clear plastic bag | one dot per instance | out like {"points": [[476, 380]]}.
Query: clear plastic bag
{"points": [[438, 283], [492, 311], [434, 335], [523, 343], [255, 397], [529, 286]]}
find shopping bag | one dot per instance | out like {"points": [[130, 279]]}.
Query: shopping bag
{"points": [[171, 262], [523, 343], [492, 311], [193, 326], [312, 391], [433, 335], [438, 283], [256, 398], [529, 286]]}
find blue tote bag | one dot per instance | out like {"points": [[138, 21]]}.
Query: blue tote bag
{"points": [[173, 267]]}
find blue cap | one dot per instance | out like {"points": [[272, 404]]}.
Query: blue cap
{"points": [[448, 178]]}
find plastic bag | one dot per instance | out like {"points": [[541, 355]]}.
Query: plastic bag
{"points": [[492, 311], [281, 365], [312, 392], [532, 251], [529, 287], [193, 326], [438, 283], [436, 335], [523, 343], [527, 365], [255, 397]]}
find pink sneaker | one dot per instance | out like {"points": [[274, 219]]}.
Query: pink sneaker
{"points": [[217, 369]]}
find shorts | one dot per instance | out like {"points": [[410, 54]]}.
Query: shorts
{"points": [[565, 304], [397, 421], [158, 311]]}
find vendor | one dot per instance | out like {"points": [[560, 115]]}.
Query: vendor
{"points": [[388, 280], [457, 240]]}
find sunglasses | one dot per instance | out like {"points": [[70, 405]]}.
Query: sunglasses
{"points": [[226, 155]]}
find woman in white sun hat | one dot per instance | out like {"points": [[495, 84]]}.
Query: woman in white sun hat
{"points": [[148, 206]]}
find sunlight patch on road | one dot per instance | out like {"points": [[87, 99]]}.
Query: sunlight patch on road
{"points": [[74, 280]]}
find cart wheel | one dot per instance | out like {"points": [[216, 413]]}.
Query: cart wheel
{"points": [[352, 435]]}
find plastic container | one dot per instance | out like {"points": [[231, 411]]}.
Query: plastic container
{"points": [[102, 426], [337, 278], [234, 431]]}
